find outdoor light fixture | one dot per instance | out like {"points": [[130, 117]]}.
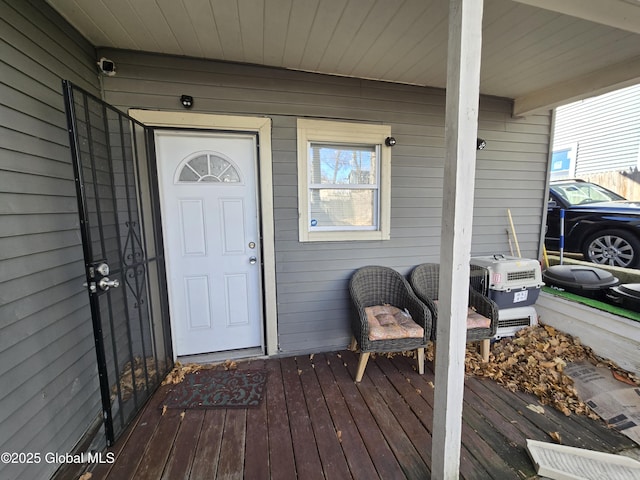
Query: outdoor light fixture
{"points": [[389, 141], [481, 144], [107, 67], [187, 101]]}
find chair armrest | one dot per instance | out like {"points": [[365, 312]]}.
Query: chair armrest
{"points": [[359, 323], [420, 313], [486, 307]]}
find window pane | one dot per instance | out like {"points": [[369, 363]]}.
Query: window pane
{"points": [[200, 165], [188, 175], [346, 208], [209, 168], [343, 164]]}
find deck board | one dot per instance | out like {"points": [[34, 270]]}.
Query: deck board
{"points": [[281, 458], [205, 462], [389, 417], [316, 423], [232, 449], [156, 455], [307, 460], [377, 446], [470, 467], [355, 452], [391, 388], [182, 455], [131, 445], [332, 458], [257, 437]]}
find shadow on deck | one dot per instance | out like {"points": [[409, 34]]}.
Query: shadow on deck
{"points": [[316, 423]]}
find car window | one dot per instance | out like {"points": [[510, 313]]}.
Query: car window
{"points": [[581, 193]]}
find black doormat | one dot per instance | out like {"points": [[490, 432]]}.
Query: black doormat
{"points": [[218, 389]]}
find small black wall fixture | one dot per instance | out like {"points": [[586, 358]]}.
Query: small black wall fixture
{"points": [[389, 141], [107, 67], [187, 101], [481, 144]]}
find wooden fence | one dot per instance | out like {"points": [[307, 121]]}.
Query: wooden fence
{"points": [[625, 183]]}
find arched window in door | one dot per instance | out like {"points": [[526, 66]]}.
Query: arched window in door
{"points": [[207, 167]]}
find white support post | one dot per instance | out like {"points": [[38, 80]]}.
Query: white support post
{"points": [[461, 128]]}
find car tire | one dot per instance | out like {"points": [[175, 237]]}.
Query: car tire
{"points": [[613, 247]]}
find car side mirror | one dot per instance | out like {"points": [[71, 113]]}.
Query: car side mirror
{"points": [[551, 204]]}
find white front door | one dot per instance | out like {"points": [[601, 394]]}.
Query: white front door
{"points": [[208, 193]]}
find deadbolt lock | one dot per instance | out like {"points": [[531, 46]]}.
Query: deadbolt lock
{"points": [[103, 269]]}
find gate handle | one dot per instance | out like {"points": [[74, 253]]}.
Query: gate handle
{"points": [[105, 284]]}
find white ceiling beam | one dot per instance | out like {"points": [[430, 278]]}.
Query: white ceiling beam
{"points": [[461, 129], [595, 83], [621, 14]]}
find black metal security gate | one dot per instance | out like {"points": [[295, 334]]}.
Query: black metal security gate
{"points": [[123, 252]]}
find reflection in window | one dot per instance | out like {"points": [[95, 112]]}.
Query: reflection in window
{"points": [[343, 187], [209, 167]]}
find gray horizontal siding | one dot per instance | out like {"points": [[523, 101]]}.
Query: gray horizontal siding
{"points": [[47, 359], [313, 304], [606, 130]]}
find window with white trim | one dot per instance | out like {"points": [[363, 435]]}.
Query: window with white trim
{"points": [[344, 185], [563, 161]]}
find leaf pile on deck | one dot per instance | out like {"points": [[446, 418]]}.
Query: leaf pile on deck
{"points": [[533, 361], [179, 371], [134, 375]]}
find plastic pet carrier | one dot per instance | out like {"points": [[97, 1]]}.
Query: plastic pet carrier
{"points": [[512, 282], [582, 280], [511, 320]]}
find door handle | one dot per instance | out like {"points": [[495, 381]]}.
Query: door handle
{"points": [[253, 260], [105, 284]]}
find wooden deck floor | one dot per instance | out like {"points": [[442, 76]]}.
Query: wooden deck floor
{"points": [[316, 423]]}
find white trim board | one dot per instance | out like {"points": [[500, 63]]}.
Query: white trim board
{"points": [[262, 126]]}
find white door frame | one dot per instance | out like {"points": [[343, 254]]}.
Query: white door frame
{"points": [[261, 126]]}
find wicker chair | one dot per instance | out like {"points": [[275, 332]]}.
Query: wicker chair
{"points": [[424, 281], [375, 285]]}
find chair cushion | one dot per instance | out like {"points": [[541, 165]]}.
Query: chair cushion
{"points": [[387, 322], [475, 319]]}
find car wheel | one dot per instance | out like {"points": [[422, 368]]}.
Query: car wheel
{"points": [[613, 247]]}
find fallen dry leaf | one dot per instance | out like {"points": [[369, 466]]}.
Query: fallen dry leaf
{"points": [[85, 476], [178, 373], [182, 416], [339, 435], [230, 365], [134, 375], [556, 437], [164, 409], [622, 378], [536, 408]]}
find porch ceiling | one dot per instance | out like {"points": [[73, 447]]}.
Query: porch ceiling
{"points": [[532, 52]]}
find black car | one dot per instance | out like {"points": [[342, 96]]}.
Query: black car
{"points": [[599, 223]]}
